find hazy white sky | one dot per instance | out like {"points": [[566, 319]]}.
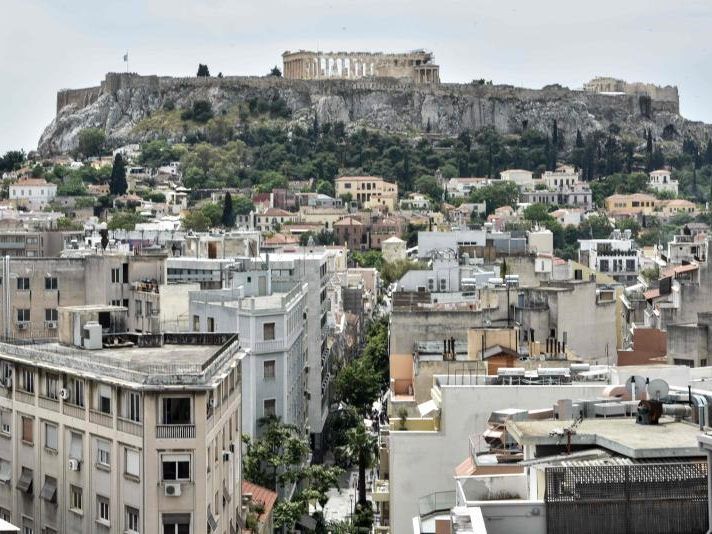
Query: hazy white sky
{"points": [[46, 45]]}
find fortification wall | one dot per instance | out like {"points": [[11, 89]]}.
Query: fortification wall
{"points": [[81, 98]]}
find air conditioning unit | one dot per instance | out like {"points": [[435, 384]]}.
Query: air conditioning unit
{"points": [[52, 325], [6, 428], [7, 382], [64, 394], [22, 326], [213, 402], [73, 464], [171, 490]]}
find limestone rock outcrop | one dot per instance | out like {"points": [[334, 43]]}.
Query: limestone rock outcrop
{"points": [[122, 101]]}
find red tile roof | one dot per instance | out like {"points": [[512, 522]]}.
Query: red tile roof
{"points": [[260, 494]]}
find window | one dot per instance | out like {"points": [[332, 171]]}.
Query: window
{"points": [[139, 310], [23, 283], [269, 408], [23, 315], [27, 526], [27, 424], [603, 266], [103, 453], [116, 276], [268, 331], [149, 308], [132, 406], [176, 466], [50, 282], [51, 314], [76, 446], [28, 380], [196, 323], [5, 421], [51, 439], [49, 489], [102, 509], [132, 460], [104, 400], [176, 411], [76, 389], [75, 498], [52, 386], [268, 371], [5, 471], [176, 523], [4, 514], [630, 265], [131, 519], [211, 324]]}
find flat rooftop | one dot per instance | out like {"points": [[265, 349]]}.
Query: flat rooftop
{"points": [[620, 435], [192, 360]]}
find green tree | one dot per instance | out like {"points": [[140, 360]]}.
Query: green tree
{"points": [[124, 220], [201, 112], [324, 187], [242, 205], [361, 445], [196, 221], [537, 213], [118, 184], [428, 185], [72, 186], [64, 223], [12, 160], [213, 212], [496, 195], [91, 142], [228, 213], [203, 71], [358, 385], [275, 72]]}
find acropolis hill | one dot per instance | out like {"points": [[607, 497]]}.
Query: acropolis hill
{"points": [[391, 92]]}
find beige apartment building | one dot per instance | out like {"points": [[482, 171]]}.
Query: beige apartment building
{"points": [[108, 432], [368, 191]]}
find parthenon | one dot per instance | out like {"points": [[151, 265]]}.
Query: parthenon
{"points": [[416, 66]]}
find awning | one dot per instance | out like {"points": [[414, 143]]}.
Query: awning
{"points": [[8, 527], [427, 407], [226, 493], [211, 521], [49, 490], [25, 482]]}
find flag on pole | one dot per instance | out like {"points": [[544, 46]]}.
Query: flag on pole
{"points": [[126, 57]]}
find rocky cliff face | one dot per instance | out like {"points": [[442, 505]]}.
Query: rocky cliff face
{"points": [[123, 100]]}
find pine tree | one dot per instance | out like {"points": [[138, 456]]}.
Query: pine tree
{"points": [[203, 71], [228, 214], [649, 142], [118, 184], [579, 139]]}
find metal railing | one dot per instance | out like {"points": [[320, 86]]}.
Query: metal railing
{"points": [[175, 431], [48, 404], [23, 396], [73, 410]]}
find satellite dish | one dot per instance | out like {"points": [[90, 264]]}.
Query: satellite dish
{"points": [[657, 389], [639, 382]]}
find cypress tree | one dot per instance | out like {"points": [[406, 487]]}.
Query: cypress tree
{"points": [[228, 214], [118, 184], [579, 139]]}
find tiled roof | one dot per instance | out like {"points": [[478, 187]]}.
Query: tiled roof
{"points": [[260, 494]]}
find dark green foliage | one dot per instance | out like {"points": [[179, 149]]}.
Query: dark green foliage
{"points": [[157, 153], [118, 184], [12, 160], [228, 213], [201, 112], [275, 72], [496, 195], [203, 71], [242, 205], [91, 142]]}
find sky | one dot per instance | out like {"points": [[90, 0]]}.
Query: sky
{"points": [[46, 45]]}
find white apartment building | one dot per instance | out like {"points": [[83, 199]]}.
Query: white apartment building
{"points": [[662, 181], [564, 176], [462, 187], [142, 437], [272, 326], [617, 257], [520, 177], [32, 193]]}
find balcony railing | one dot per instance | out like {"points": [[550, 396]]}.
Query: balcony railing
{"points": [[48, 404], [441, 501], [73, 410], [175, 431], [101, 418], [130, 427], [23, 396]]}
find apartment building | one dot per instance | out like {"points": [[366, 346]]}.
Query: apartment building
{"points": [[522, 178], [272, 326], [34, 244], [141, 437], [634, 204], [618, 256], [368, 191], [312, 267], [32, 193]]}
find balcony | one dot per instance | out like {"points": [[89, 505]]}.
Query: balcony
{"points": [[73, 410], [130, 427], [23, 396], [48, 404], [101, 418], [381, 491], [175, 431]]}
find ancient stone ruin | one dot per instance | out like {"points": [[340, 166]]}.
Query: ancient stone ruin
{"points": [[416, 66]]}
